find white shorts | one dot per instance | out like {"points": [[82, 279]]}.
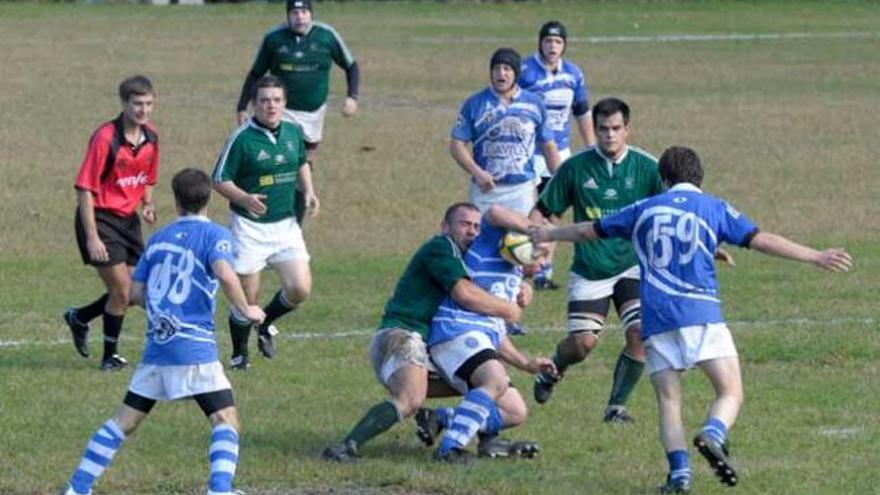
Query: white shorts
{"points": [[516, 197], [581, 289], [311, 123], [449, 356], [258, 244], [178, 382], [392, 348], [541, 170], [686, 347]]}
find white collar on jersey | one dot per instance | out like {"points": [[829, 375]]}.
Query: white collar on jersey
{"points": [[194, 218], [608, 160], [685, 186]]}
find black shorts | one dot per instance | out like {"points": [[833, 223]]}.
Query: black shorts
{"points": [[121, 236], [625, 290], [210, 402]]}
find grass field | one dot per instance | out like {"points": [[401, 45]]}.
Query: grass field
{"points": [[785, 117]]}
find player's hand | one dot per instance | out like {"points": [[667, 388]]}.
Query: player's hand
{"points": [[526, 295], [254, 314], [241, 117], [834, 260], [723, 256], [514, 313], [350, 107], [97, 250], [313, 205], [541, 365], [149, 213], [485, 181], [254, 205], [539, 235]]}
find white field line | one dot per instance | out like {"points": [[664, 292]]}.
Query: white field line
{"points": [[809, 322], [660, 38]]}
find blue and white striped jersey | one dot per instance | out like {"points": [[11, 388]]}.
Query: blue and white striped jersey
{"points": [[180, 290], [675, 236], [492, 273], [504, 136], [560, 91]]}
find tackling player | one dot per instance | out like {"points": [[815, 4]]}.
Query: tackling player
{"points": [[176, 281], [676, 235]]}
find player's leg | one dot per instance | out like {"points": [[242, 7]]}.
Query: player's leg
{"points": [[667, 388], [239, 326], [514, 412], [117, 280], [631, 362], [711, 441], [106, 441], [219, 408], [253, 246]]}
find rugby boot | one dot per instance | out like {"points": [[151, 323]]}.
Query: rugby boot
{"points": [[617, 415], [266, 340], [515, 329], [545, 284], [678, 485], [454, 456], [346, 451], [114, 363], [544, 383], [428, 427], [718, 457], [239, 363], [79, 331], [494, 447]]}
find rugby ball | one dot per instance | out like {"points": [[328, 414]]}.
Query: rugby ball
{"points": [[516, 248]]}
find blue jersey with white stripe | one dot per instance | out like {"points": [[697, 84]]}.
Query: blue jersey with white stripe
{"points": [[180, 290], [504, 136], [675, 236], [560, 91], [492, 273]]}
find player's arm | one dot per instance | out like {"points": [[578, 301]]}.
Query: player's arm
{"points": [[834, 259], [86, 210], [576, 232], [475, 299], [136, 294], [232, 288], [148, 207], [253, 203], [352, 81], [585, 128], [518, 359], [464, 157], [307, 187], [260, 67], [507, 219], [551, 155]]}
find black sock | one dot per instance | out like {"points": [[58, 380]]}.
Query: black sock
{"points": [[112, 329], [92, 310], [277, 307], [239, 333]]}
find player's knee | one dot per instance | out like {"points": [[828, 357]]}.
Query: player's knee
{"points": [[408, 404], [228, 415], [577, 346], [298, 292], [514, 409]]}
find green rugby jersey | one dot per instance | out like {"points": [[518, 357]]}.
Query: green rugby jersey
{"points": [[594, 187], [259, 163], [303, 62], [428, 278]]}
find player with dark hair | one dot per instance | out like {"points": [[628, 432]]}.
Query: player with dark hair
{"points": [[562, 86], [676, 235], [397, 350], [594, 183], [261, 166], [116, 177], [505, 125], [176, 281]]}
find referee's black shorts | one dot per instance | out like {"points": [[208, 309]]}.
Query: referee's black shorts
{"points": [[121, 236]]}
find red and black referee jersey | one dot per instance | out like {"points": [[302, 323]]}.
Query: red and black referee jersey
{"points": [[116, 172]]}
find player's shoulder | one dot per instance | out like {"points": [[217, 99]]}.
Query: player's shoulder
{"points": [[572, 68], [277, 31], [642, 157], [324, 28], [442, 245]]}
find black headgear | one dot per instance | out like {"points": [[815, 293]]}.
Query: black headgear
{"points": [[299, 4], [507, 56], [553, 28]]}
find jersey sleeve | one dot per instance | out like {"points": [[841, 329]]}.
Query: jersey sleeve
{"points": [[89, 176], [444, 263], [462, 129], [220, 246], [226, 168], [261, 60], [340, 53], [558, 195], [618, 224], [735, 228]]}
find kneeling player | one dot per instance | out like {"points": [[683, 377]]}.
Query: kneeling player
{"points": [[176, 281], [468, 349]]}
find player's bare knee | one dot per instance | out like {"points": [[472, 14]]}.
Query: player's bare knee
{"points": [[577, 346], [227, 415], [297, 293]]}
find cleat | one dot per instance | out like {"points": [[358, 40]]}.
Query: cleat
{"points": [[114, 363], [679, 485], [545, 284], [495, 448], [428, 427], [266, 340], [68, 490], [79, 331], [341, 452], [544, 383], [239, 363], [515, 329], [454, 456], [617, 415], [718, 457]]}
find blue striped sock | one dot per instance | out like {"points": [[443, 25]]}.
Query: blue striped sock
{"points": [[470, 414], [716, 429], [679, 464], [444, 416], [99, 452], [224, 458]]}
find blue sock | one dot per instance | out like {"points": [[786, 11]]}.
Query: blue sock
{"points": [[444, 416], [99, 452], [546, 272], [223, 456], [679, 464], [493, 423], [716, 429], [470, 415]]}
